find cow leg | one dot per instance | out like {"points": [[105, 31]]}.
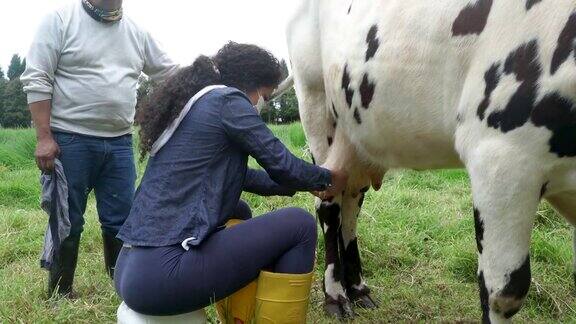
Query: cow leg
{"points": [[347, 276], [319, 128], [505, 204], [336, 302], [565, 204], [356, 288]]}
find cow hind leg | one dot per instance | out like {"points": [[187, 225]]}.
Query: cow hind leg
{"points": [[356, 289], [565, 204], [504, 213]]}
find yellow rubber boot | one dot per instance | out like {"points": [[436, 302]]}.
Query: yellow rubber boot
{"points": [[233, 221], [282, 298], [241, 304]]}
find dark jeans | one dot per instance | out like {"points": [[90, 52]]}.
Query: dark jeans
{"points": [[105, 165], [170, 280]]}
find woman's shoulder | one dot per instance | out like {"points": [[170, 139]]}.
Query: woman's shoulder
{"points": [[223, 99], [230, 93]]}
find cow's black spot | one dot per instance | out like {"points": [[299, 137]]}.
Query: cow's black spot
{"points": [[366, 91], [518, 281], [531, 3], [357, 116], [346, 86], [350, 8], [356, 295], [352, 265], [565, 44], [330, 139], [543, 190], [329, 217], [472, 19], [558, 114], [517, 286], [361, 201], [553, 111], [523, 63], [345, 78], [484, 298], [372, 41], [491, 78], [479, 228], [334, 111]]}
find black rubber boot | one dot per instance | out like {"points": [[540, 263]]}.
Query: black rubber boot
{"points": [[112, 247], [61, 274]]}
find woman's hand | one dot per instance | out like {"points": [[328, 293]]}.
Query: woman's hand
{"points": [[339, 182]]}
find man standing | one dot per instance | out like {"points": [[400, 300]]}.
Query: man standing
{"points": [[81, 81]]}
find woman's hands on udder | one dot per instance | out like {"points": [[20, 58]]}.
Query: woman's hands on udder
{"points": [[339, 182]]}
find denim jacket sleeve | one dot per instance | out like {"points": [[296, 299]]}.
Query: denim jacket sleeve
{"points": [[259, 182], [244, 127]]}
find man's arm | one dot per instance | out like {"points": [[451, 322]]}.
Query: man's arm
{"points": [[46, 148], [38, 78], [158, 65]]}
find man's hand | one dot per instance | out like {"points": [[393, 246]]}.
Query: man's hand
{"points": [[47, 150]]}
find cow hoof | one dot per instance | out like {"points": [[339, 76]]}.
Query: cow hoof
{"points": [[364, 301], [340, 309], [361, 298]]}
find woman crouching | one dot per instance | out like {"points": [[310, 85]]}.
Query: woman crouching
{"points": [[199, 129]]}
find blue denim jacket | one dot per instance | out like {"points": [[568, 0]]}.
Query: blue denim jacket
{"points": [[192, 185]]}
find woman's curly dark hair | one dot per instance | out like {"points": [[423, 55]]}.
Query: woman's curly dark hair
{"points": [[247, 67], [242, 66]]}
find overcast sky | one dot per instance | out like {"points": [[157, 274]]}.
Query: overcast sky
{"points": [[185, 28]]}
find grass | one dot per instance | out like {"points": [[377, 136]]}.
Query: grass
{"points": [[416, 241]]}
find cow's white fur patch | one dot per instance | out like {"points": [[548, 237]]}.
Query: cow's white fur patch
{"points": [[333, 287]]}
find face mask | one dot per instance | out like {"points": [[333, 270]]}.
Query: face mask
{"points": [[261, 104]]}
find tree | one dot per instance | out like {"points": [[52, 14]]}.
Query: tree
{"points": [[288, 107], [13, 107], [269, 113], [284, 68], [284, 109], [16, 68], [2, 94]]}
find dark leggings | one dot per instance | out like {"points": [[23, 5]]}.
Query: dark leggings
{"points": [[170, 280]]}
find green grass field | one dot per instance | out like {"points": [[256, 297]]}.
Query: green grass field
{"points": [[416, 241]]}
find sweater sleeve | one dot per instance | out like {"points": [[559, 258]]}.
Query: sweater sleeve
{"points": [[244, 126], [259, 182], [42, 59], [157, 65]]}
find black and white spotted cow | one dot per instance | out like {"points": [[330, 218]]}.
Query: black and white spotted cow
{"points": [[489, 85]]}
